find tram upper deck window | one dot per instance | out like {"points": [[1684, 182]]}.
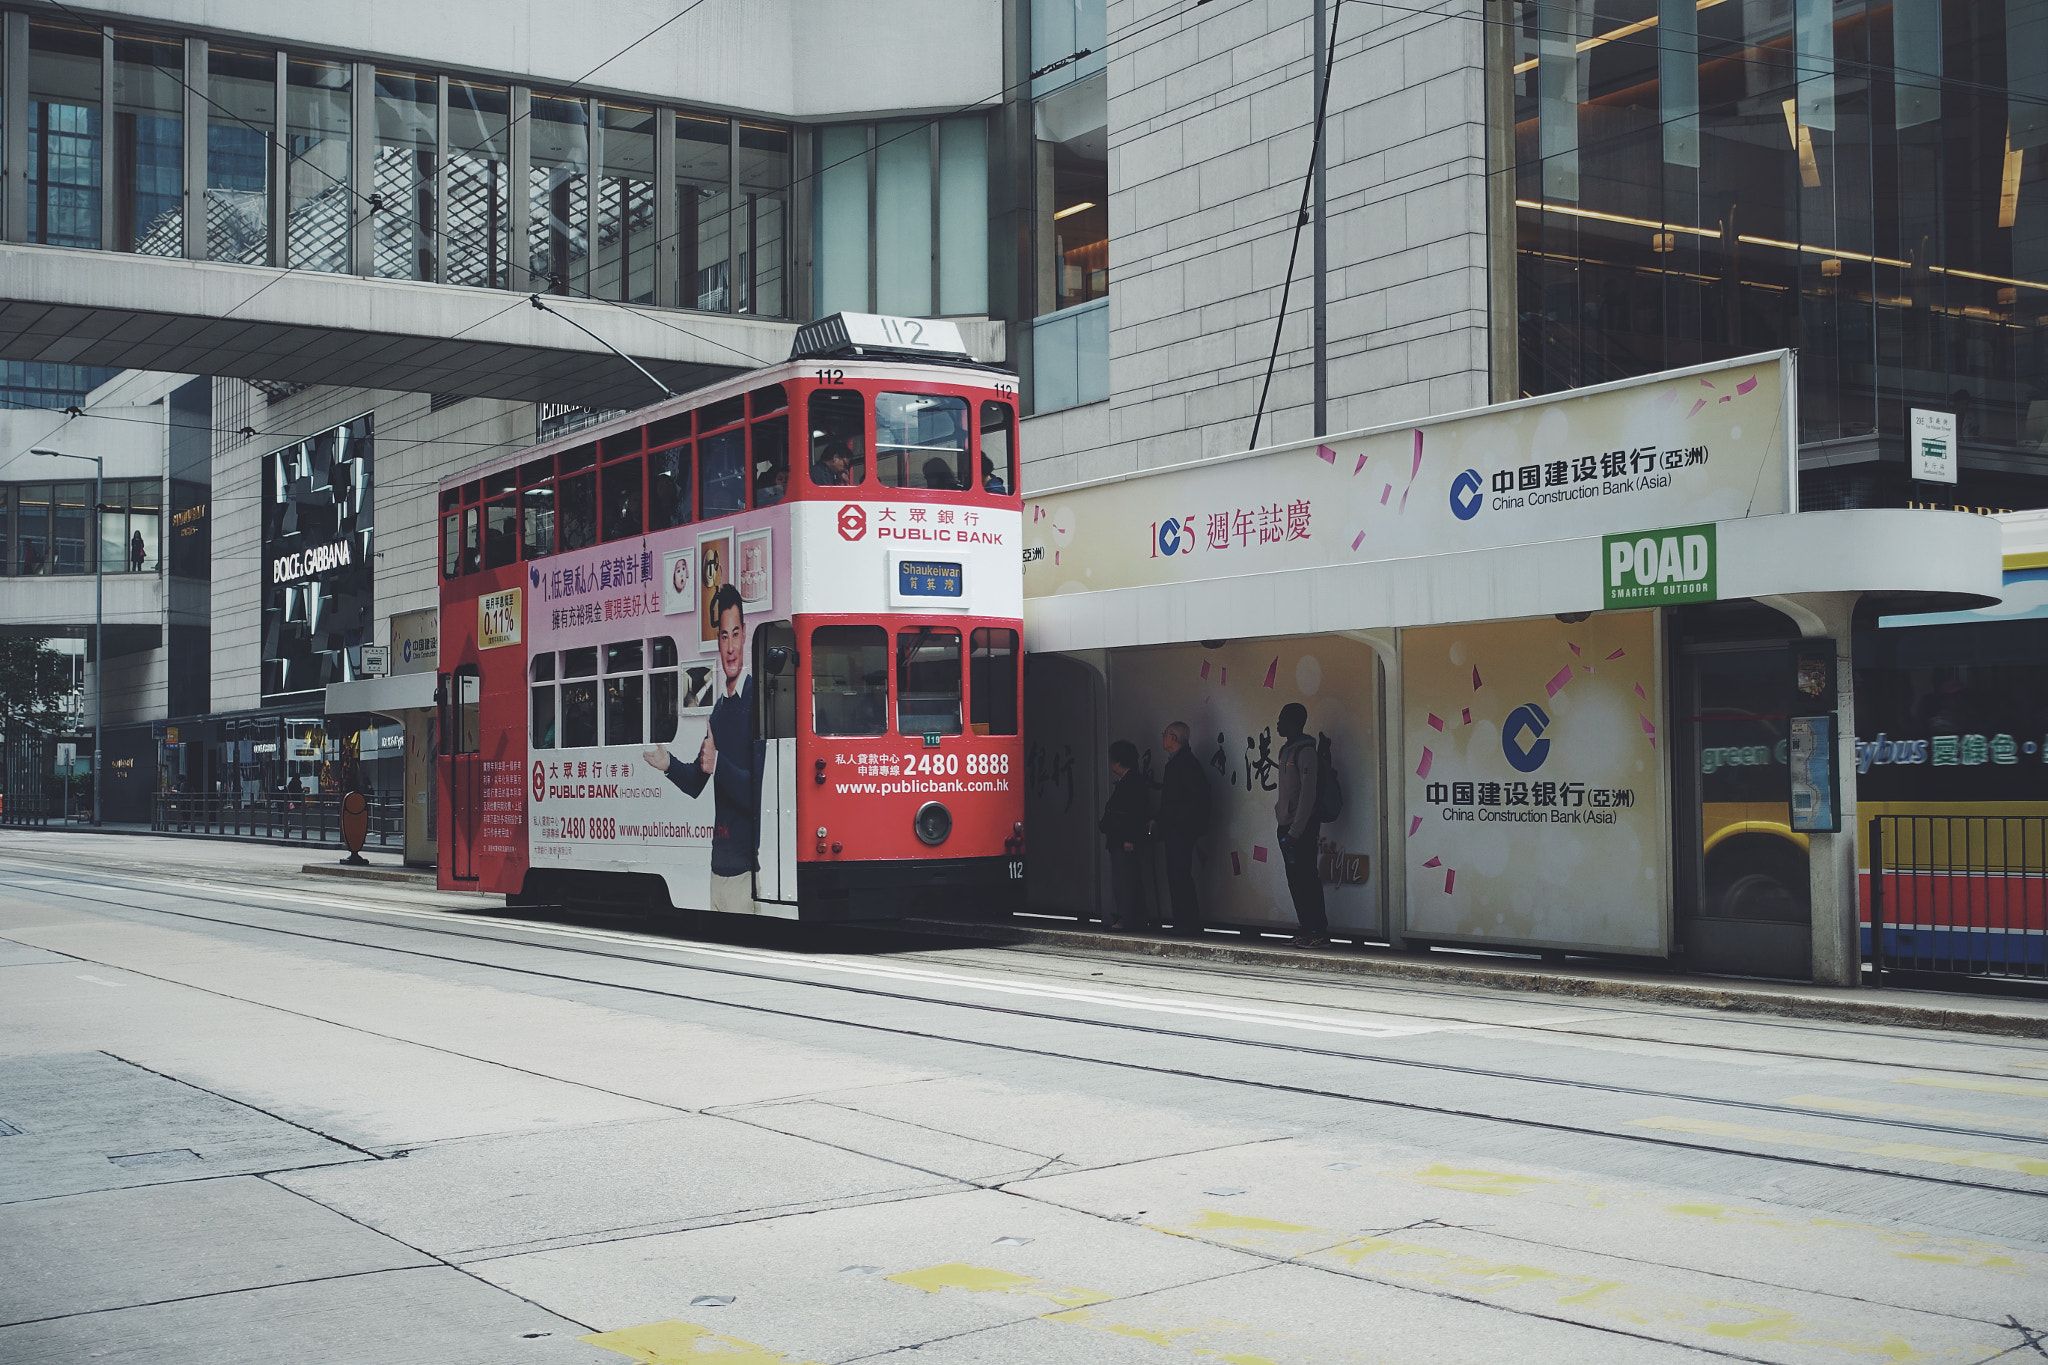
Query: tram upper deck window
{"points": [[451, 545], [668, 488], [921, 441], [992, 674], [576, 510], [542, 694], [722, 461], [771, 444], [472, 539], [850, 680], [839, 438], [579, 699], [928, 681], [621, 498], [501, 532], [998, 448], [537, 520]]}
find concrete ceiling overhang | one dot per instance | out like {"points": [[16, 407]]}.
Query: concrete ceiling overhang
{"points": [[302, 327]]}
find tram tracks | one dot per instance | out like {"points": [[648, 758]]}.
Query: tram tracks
{"points": [[450, 924]]}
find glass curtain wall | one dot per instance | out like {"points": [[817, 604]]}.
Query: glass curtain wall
{"points": [[402, 209], [903, 218], [1070, 197], [479, 205], [891, 229], [703, 220], [764, 203], [1862, 181], [318, 207], [622, 266], [241, 122], [131, 526], [557, 206], [841, 229], [148, 148], [64, 135]]}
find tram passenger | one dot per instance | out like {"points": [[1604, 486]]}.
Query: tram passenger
{"points": [[834, 467], [729, 761], [938, 473], [990, 480], [1124, 820]]}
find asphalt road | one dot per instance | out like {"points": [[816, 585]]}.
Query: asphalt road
{"points": [[247, 1115]]}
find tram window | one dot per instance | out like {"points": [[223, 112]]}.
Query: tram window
{"points": [[621, 499], [576, 507], [668, 488], [662, 651], [579, 715], [620, 444], [537, 522], [472, 491], [850, 680], [543, 668], [928, 681], [501, 533], [722, 414], [921, 441], [773, 398], [624, 657], [451, 545], [771, 461], [472, 539], [582, 457], [662, 712], [839, 438], [543, 701], [537, 471], [500, 482], [622, 707], [724, 460], [580, 663], [998, 432], [992, 673], [669, 430], [451, 498]]}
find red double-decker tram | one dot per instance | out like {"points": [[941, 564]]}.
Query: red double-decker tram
{"points": [[756, 650]]}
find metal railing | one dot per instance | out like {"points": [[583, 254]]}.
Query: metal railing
{"points": [[1959, 896], [22, 811], [311, 819]]}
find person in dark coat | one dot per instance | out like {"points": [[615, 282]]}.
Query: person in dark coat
{"points": [[1182, 818], [1125, 819], [1294, 808]]}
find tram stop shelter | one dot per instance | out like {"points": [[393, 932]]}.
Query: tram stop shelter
{"points": [[1585, 665]]}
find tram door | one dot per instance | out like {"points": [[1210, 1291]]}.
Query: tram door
{"points": [[463, 727], [775, 682], [1742, 883]]}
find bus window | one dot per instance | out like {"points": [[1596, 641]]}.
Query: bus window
{"points": [[451, 545], [928, 681], [724, 459], [621, 499], [624, 689], [661, 689], [537, 522], [992, 669], [771, 461], [501, 533], [998, 428], [921, 441], [543, 694], [472, 539], [850, 680], [668, 488], [839, 439], [576, 507], [579, 699]]}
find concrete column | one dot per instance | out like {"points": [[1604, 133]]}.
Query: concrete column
{"points": [[1831, 858], [1392, 793]]}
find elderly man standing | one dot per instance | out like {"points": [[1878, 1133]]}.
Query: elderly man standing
{"points": [[1182, 818]]}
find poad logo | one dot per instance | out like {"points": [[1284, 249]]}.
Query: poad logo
{"points": [[853, 521], [1525, 758], [540, 779]]}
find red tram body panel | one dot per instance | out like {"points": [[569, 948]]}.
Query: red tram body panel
{"points": [[756, 650]]}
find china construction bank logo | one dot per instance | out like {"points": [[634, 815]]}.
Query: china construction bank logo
{"points": [[1521, 739], [1468, 495], [853, 521]]}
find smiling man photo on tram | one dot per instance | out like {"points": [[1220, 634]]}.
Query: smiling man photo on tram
{"points": [[728, 761]]}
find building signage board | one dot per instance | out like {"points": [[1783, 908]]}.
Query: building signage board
{"points": [[1931, 445], [1658, 568], [1535, 802], [376, 661], [415, 641], [1701, 445], [498, 618]]}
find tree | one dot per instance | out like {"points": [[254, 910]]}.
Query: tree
{"points": [[34, 678]]}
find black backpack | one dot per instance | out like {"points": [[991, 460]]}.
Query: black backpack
{"points": [[1329, 790]]}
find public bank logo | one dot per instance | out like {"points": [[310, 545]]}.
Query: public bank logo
{"points": [[1658, 568], [540, 779], [1529, 720], [853, 521], [1468, 495]]}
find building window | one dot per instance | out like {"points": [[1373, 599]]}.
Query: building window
{"points": [[131, 526], [883, 191], [241, 119], [703, 223], [478, 213], [1070, 131], [622, 266], [762, 222], [402, 178], [148, 175], [558, 209], [64, 135], [318, 207]]}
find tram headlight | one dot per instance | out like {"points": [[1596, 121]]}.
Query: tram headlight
{"points": [[933, 824]]}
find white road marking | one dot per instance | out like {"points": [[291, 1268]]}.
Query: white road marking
{"points": [[110, 985]]}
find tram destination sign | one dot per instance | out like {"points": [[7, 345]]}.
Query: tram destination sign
{"points": [[927, 579]]}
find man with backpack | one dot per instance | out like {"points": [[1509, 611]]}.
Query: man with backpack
{"points": [[1301, 826], [1183, 817]]}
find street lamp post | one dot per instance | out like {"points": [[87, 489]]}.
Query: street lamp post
{"points": [[99, 618]]}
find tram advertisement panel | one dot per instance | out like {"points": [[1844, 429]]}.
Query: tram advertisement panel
{"points": [[643, 708], [1230, 697], [1535, 810]]}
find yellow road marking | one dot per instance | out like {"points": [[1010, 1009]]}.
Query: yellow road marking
{"points": [[977, 1279], [1880, 1109], [677, 1343], [2033, 1090], [1477, 1181], [1837, 1142]]}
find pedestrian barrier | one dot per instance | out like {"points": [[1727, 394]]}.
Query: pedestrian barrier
{"points": [[310, 819], [1958, 896], [25, 811]]}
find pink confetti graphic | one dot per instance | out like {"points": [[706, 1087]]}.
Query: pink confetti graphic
{"points": [[1560, 682], [1669, 395], [1326, 455], [1359, 466], [1468, 715], [1055, 556], [1236, 867], [1358, 540], [1436, 722], [1725, 398], [1258, 853], [1616, 655], [1706, 383], [1417, 467], [1574, 648], [1386, 493], [1434, 862], [1428, 761], [1414, 823], [1404, 496], [1450, 879], [1205, 670], [1475, 678], [1639, 692], [1648, 728], [1272, 670], [1746, 385], [1696, 408], [1223, 677]]}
